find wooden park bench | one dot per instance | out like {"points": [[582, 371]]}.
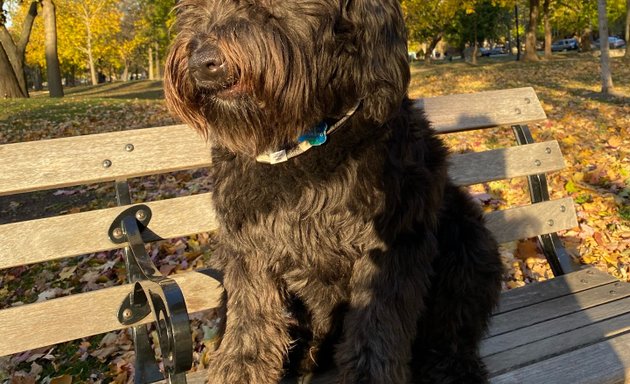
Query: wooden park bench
{"points": [[574, 328]]}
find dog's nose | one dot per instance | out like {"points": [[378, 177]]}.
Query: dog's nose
{"points": [[207, 65]]}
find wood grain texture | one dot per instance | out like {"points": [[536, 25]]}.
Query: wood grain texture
{"points": [[86, 232], [555, 326], [81, 315], [532, 220], [52, 238], [606, 362], [550, 289], [464, 112], [506, 163], [562, 306], [56, 163], [557, 344]]}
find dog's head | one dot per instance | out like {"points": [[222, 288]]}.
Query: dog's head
{"points": [[252, 75]]}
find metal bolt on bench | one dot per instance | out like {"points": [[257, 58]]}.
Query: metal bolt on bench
{"points": [[152, 293]]}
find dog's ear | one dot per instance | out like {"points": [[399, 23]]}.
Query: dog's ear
{"points": [[375, 38]]}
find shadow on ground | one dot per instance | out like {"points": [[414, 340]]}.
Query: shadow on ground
{"points": [[143, 89]]}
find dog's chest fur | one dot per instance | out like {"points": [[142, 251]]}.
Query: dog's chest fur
{"points": [[306, 215], [315, 215]]}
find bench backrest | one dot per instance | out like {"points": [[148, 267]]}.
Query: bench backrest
{"points": [[57, 163]]}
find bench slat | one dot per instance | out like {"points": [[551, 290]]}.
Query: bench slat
{"points": [[551, 309], [558, 344], [553, 288], [57, 163], [532, 220], [540, 331], [506, 163], [454, 113], [87, 314], [606, 362], [86, 232]]}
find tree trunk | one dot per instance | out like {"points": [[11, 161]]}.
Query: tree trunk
{"points": [[90, 54], [70, 76], [475, 50], [585, 39], [475, 47], [52, 59], [434, 42], [37, 78], [627, 34], [547, 22], [92, 66], [607, 82], [530, 35], [158, 74], [125, 75], [9, 85], [518, 38], [151, 75], [15, 52]]}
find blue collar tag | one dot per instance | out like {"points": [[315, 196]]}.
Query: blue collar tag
{"points": [[317, 136]]}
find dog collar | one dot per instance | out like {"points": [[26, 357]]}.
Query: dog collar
{"points": [[313, 138]]}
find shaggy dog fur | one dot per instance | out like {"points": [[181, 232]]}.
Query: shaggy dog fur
{"points": [[364, 240]]}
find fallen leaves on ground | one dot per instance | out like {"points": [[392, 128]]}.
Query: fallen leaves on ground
{"points": [[594, 136]]}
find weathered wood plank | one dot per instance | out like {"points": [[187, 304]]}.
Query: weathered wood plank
{"points": [[56, 163], [532, 220], [562, 306], [506, 163], [557, 344], [463, 112], [81, 315], [86, 232], [606, 362], [539, 331], [52, 238], [607, 351], [558, 286]]}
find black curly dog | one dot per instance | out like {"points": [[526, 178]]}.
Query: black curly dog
{"points": [[342, 238]]}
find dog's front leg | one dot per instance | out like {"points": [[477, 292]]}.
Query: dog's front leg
{"points": [[256, 335], [388, 290]]}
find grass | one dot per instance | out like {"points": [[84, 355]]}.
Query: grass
{"points": [[84, 110], [80, 100]]}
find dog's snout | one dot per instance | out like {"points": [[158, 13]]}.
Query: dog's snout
{"points": [[207, 65]]}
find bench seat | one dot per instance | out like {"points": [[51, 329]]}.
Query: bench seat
{"points": [[573, 329]]}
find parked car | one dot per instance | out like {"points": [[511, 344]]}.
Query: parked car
{"points": [[616, 42], [565, 45], [613, 42], [498, 50]]}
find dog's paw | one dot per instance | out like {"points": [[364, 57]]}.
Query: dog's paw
{"points": [[240, 369]]}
